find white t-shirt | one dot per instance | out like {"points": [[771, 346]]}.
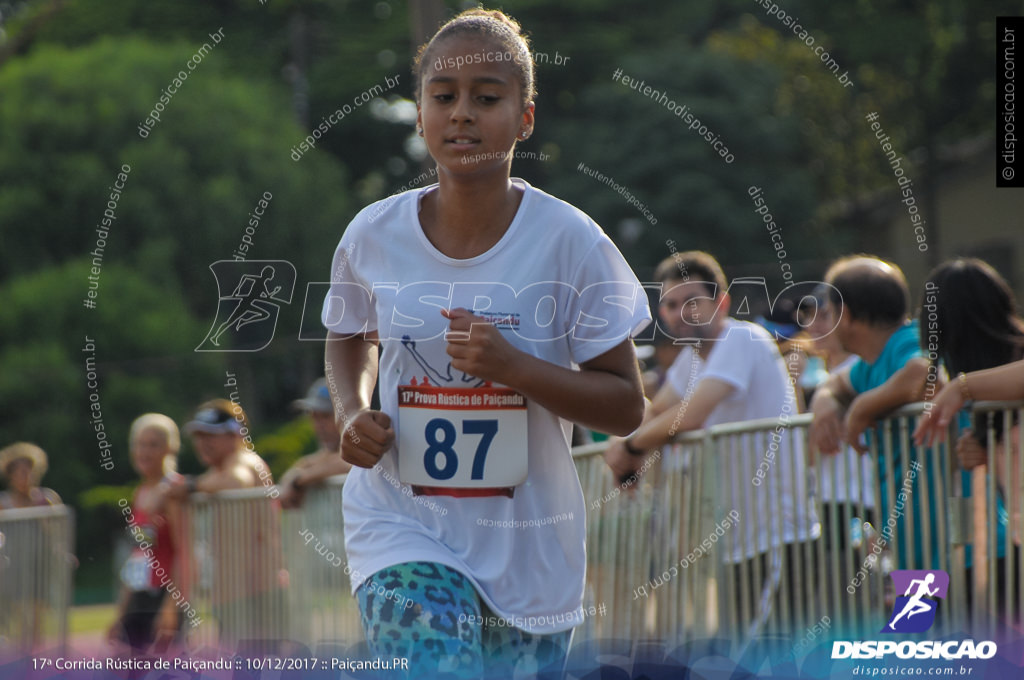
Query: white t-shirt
{"points": [[843, 466], [559, 289], [746, 357], [686, 368]]}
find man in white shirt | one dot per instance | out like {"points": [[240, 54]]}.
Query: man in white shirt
{"points": [[732, 371]]}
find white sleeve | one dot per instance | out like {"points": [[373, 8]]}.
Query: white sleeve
{"points": [[733, 358], [610, 305], [682, 376], [349, 308]]}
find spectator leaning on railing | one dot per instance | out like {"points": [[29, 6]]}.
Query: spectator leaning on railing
{"points": [[245, 546], [871, 300], [217, 431], [326, 461], [732, 372], [977, 327], [970, 322]]}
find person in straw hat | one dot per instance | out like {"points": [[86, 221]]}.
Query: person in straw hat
{"points": [[22, 556], [23, 465]]}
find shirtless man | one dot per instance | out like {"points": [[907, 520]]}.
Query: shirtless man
{"points": [[220, 432], [246, 603]]}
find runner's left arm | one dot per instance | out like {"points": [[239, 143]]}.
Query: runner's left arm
{"points": [[604, 395]]}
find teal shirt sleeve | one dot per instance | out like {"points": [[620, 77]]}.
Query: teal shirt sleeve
{"points": [[902, 346], [906, 345], [859, 376]]}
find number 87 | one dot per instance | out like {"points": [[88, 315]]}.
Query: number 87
{"points": [[487, 428]]}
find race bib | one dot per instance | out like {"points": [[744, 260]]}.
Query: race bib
{"points": [[135, 572], [461, 438]]}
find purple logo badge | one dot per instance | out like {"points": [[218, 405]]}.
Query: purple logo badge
{"points": [[914, 612]]}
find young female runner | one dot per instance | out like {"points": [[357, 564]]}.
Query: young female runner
{"points": [[504, 314]]}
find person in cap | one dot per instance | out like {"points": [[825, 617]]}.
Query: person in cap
{"points": [[23, 466], [324, 462], [244, 535], [794, 343], [223, 442]]}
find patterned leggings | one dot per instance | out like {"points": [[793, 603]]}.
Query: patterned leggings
{"points": [[432, 615]]}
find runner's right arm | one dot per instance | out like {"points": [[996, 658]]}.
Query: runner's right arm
{"points": [[350, 365]]}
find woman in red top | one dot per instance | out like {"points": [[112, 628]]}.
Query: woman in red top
{"points": [[146, 609]]}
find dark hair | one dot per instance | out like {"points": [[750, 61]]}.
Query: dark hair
{"points": [[969, 322], [492, 25], [869, 289], [970, 317], [693, 264]]}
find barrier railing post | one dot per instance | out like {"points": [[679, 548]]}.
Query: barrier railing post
{"points": [[631, 538], [36, 566]]}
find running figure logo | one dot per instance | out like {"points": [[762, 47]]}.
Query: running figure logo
{"points": [[912, 612], [247, 316]]}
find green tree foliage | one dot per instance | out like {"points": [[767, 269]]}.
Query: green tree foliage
{"points": [[829, 126], [137, 341], [68, 123], [698, 199], [69, 119], [323, 54]]}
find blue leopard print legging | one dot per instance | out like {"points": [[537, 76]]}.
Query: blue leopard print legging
{"points": [[432, 615]]}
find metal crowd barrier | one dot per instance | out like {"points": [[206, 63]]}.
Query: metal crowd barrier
{"points": [[235, 575], [929, 514], [258, 576], [36, 563], [321, 603], [998, 570], [635, 535], [668, 557]]}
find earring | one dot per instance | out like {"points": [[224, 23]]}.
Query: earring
{"points": [[523, 135], [419, 130]]}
